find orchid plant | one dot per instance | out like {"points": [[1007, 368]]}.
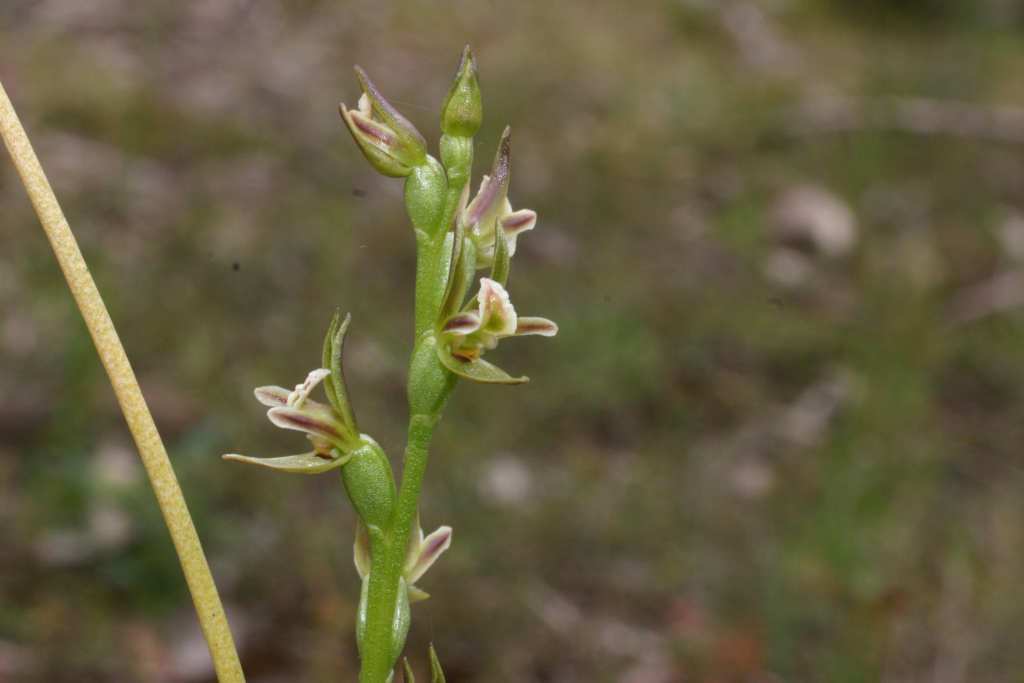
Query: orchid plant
{"points": [[455, 237]]}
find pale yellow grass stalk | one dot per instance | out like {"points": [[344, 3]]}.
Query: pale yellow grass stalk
{"points": [[140, 422]]}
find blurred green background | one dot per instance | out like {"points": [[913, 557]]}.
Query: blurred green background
{"points": [[778, 437]]}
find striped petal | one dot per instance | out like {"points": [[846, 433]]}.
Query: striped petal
{"points": [[272, 396], [541, 326], [400, 125], [462, 323], [515, 223], [430, 549], [306, 421]]}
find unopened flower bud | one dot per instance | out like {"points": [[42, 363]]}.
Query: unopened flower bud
{"points": [[392, 145], [489, 202], [461, 112]]}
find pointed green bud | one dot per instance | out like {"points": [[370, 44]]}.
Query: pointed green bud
{"points": [[462, 112], [437, 676], [409, 678]]}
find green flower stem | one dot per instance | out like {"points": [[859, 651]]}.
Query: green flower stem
{"points": [[428, 251], [430, 385], [387, 570]]}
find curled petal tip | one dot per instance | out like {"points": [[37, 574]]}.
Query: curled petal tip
{"points": [[272, 396], [417, 594]]}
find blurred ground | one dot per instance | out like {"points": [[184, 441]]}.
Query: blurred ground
{"points": [[778, 437]]}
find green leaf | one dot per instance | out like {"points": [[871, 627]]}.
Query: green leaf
{"points": [[478, 370], [502, 259], [450, 302], [400, 621], [337, 378], [437, 676], [332, 395], [307, 463]]}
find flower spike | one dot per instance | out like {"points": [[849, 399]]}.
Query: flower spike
{"points": [[455, 324]]}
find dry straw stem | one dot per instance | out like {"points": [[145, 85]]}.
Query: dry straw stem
{"points": [[140, 422]]}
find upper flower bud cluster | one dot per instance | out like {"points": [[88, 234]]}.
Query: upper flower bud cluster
{"points": [[391, 144]]}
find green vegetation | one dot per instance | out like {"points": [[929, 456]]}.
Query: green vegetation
{"points": [[779, 432]]}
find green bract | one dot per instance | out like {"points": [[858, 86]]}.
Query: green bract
{"points": [[454, 238]]}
